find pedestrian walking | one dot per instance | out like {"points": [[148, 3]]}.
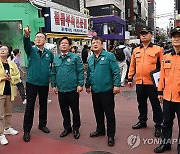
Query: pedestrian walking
{"points": [[103, 81], [68, 81], [9, 76], [126, 54], [169, 92], [145, 59], [20, 85], [38, 76], [84, 56], [90, 52]]}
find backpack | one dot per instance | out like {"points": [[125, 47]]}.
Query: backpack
{"points": [[119, 54]]}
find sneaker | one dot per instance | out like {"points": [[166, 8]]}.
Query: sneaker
{"points": [[3, 140], [10, 131], [25, 101]]}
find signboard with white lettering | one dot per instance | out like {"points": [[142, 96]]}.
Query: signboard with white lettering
{"points": [[68, 23]]}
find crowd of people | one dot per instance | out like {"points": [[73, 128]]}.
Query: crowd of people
{"points": [[116, 66]]}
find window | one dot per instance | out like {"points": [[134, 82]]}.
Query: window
{"points": [[73, 4]]}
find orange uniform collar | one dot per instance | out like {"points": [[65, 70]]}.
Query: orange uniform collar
{"points": [[150, 45]]}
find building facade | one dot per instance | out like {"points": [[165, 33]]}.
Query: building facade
{"points": [[107, 19], [136, 16], [14, 17], [152, 14], [176, 13], [144, 11], [106, 7], [57, 18], [62, 20]]}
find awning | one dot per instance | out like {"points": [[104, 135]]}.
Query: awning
{"points": [[54, 35]]}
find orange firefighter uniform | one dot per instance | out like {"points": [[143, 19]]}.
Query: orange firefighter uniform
{"points": [[143, 62], [169, 84]]}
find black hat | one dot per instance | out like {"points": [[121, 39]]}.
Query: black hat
{"points": [[146, 29], [175, 30]]}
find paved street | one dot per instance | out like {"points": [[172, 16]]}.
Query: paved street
{"points": [[126, 116]]}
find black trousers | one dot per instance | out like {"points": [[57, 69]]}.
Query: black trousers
{"points": [[21, 90], [128, 64], [31, 93], [69, 100], [103, 103], [169, 110], [143, 92]]}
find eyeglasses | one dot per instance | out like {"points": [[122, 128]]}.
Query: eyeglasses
{"points": [[40, 37], [3, 49], [64, 43], [96, 42]]}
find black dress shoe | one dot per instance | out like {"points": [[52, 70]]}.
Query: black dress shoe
{"points": [[65, 133], [139, 125], [44, 129], [26, 137], [96, 134], [157, 132], [162, 148], [76, 134], [110, 141]]}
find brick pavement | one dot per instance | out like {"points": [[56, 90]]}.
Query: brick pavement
{"points": [[126, 116]]}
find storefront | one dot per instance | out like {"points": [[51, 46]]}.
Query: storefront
{"points": [[14, 17], [110, 28], [60, 23]]}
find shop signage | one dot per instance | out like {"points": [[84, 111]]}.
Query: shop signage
{"points": [[39, 22], [68, 23]]}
